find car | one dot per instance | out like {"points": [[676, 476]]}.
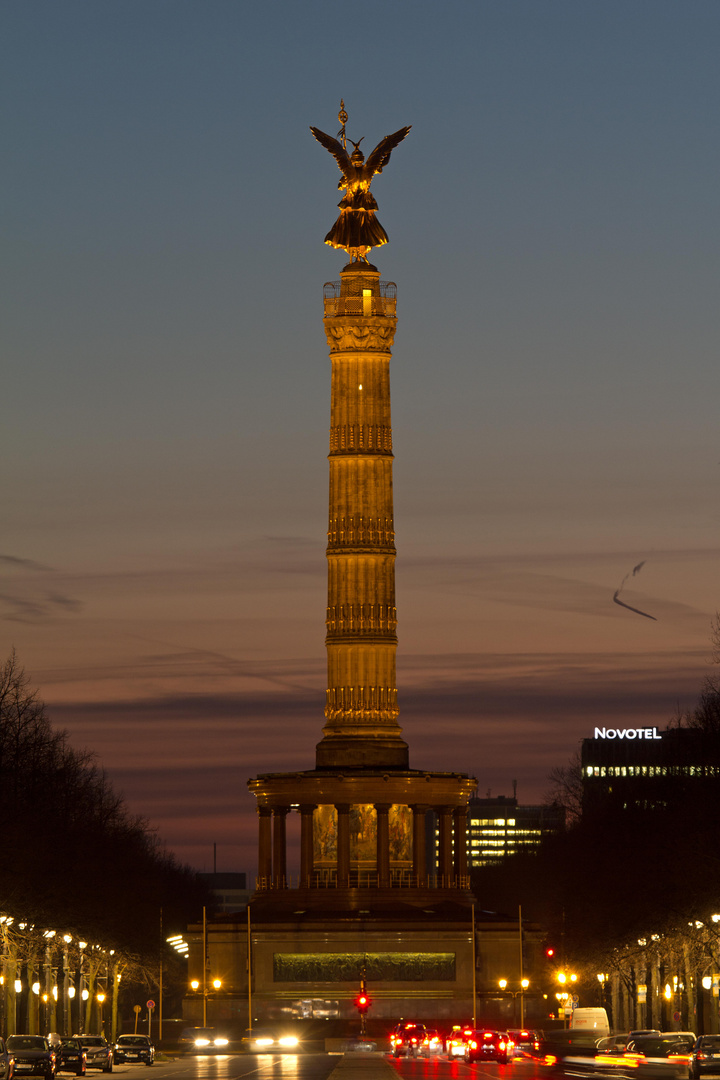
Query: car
{"points": [[705, 1057], [432, 1044], [98, 1052], [134, 1048], [482, 1044], [360, 1044], [614, 1044], [407, 1038], [455, 1042], [272, 1041], [70, 1056], [203, 1040], [33, 1056], [672, 1050], [7, 1062], [524, 1040]]}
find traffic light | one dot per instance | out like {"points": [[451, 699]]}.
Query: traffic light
{"points": [[550, 952], [363, 1002]]}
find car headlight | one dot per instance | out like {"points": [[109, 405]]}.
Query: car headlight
{"points": [[202, 1042], [289, 1040], [221, 1042], [264, 1041]]}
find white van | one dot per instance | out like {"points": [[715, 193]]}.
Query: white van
{"points": [[590, 1022]]}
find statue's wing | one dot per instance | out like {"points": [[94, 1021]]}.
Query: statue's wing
{"points": [[335, 148], [381, 154]]}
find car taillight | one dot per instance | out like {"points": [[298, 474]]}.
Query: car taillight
{"points": [[502, 1045], [473, 1045]]}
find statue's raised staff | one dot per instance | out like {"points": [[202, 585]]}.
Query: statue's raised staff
{"points": [[357, 230]]}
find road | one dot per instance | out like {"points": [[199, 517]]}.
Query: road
{"points": [[439, 1068], [229, 1067], [316, 1067]]}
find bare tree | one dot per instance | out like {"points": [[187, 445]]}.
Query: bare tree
{"points": [[566, 789]]}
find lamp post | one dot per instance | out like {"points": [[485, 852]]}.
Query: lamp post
{"points": [[524, 984], [196, 986], [101, 1001], [564, 978]]}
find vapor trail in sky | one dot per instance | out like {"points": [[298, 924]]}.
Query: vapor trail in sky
{"points": [[616, 595]]}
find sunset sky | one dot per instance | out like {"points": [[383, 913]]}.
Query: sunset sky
{"points": [[554, 226]]}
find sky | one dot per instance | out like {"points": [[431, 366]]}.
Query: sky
{"points": [[555, 239]]}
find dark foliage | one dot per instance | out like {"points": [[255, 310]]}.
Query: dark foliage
{"points": [[73, 854]]}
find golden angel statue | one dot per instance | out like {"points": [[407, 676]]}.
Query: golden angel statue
{"points": [[357, 230]]}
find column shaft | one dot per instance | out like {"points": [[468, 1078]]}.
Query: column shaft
{"points": [[419, 863], [361, 710], [264, 847], [445, 860], [279, 846], [343, 843], [306, 845], [382, 811], [460, 864]]}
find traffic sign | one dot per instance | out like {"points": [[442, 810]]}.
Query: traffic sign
{"points": [[151, 1004], [575, 1001], [137, 1008]]}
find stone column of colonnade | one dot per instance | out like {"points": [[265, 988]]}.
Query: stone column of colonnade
{"points": [[361, 728], [272, 851]]}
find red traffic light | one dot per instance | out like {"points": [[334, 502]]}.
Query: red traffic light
{"points": [[362, 1002], [549, 952]]}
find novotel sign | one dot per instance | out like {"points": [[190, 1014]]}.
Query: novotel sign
{"points": [[627, 733]]}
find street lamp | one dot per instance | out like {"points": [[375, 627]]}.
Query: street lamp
{"points": [[564, 998], [524, 984], [205, 991]]}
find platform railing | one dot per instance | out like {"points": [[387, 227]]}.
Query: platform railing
{"points": [[363, 879]]}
